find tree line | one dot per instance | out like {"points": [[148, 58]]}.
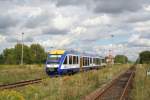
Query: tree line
{"points": [[122, 59], [33, 54], [144, 58]]}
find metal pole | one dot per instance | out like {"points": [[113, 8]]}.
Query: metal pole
{"points": [[112, 59], [22, 50]]}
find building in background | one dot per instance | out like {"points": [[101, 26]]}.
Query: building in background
{"points": [[109, 58]]}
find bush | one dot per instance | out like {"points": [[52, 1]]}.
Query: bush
{"points": [[10, 95]]}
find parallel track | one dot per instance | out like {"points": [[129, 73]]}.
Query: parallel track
{"points": [[118, 89], [20, 84]]}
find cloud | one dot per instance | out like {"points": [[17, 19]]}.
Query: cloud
{"points": [[107, 6], [100, 20], [136, 17], [37, 20], [137, 40], [7, 21], [70, 2], [2, 38], [54, 31]]}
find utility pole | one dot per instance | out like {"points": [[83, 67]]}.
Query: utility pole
{"points": [[22, 50], [112, 54]]}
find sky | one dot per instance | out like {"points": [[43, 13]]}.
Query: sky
{"points": [[84, 25]]}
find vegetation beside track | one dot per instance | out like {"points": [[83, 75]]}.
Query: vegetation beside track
{"points": [[70, 87], [141, 86], [15, 73]]}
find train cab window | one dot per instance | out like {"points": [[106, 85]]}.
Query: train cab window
{"points": [[70, 59], [65, 62]]}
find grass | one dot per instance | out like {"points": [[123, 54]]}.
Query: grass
{"points": [[141, 89], [72, 87], [14, 73]]}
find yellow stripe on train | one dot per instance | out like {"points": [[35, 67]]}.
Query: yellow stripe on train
{"points": [[57, 52]]}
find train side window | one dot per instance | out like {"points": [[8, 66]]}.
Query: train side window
{"points": [[70, 59], [90, 60], [99, 61], [65, 62], [94, 60], [77, 60], [84, 61], [74, 59], [103, 60]]}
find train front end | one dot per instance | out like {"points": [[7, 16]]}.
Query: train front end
{"points": [[54, 61]]}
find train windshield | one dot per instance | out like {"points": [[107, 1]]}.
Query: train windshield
{"points": [[54, 57]]}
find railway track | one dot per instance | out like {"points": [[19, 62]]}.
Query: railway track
{"points": [[20, 84], [118, 89]]}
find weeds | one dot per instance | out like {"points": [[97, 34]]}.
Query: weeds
{"points": [[10, 95], [14, 73], [72, 87], [141, 89]]}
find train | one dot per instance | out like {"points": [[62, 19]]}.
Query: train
{"points": [[60, 62]]}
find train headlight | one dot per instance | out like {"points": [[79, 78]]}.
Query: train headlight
{"points": [[48, 66]]}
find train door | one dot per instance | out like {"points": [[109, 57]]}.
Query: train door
{"points": [[81, 63]]}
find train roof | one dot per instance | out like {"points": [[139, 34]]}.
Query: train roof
{"points": [[75, 53]]}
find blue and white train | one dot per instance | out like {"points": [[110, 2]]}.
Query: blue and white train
{"points": [[61, 62]]}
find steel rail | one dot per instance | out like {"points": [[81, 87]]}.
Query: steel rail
{"points": [[124, 93], [20, 84]]}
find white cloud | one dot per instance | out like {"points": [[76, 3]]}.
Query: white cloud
{"points": [[137, 40], [2, 38], [142, 26], [62, 22], [147, 8], [78, 30], [99, 20]]}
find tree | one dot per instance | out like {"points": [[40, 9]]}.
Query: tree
{"points": [[18, 50], [121, 59], [9, 57], [145, 57], [38, 53], [26, 54], [1, 59]]}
